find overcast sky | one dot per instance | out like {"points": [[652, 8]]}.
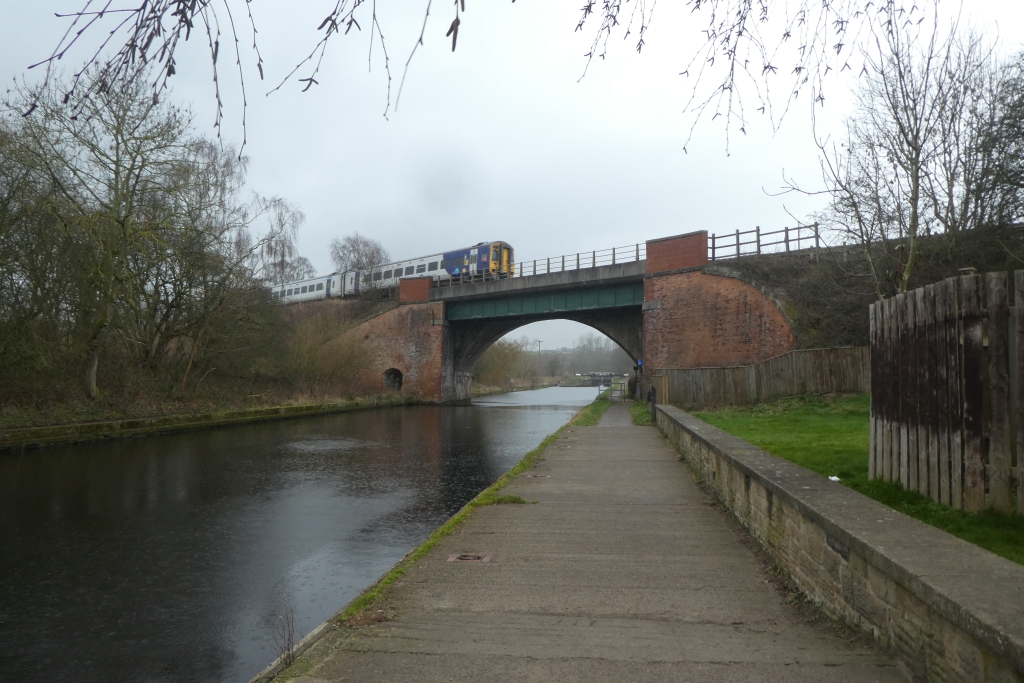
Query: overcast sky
{"points": [[500, 140]]}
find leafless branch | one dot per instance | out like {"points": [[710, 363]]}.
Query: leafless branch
{"points": [[748, 45]]}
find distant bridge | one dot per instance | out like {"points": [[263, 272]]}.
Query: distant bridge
{"points": [[670, 308]]}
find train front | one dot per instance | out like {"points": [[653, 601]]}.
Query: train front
{"points": [[502, 261]]}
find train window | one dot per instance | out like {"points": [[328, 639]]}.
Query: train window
{"points": [[319, 286], [304, 289], [289, 292], [432, 266], [445, 263], [387, 274], [421, 268], [409, 270], [378, 275]]}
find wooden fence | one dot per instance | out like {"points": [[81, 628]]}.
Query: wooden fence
{"points": [[806, 371], [946, 388]]}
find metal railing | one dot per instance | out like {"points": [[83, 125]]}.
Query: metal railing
{"points": [[582, 259], [726, 246], [755, 242]]}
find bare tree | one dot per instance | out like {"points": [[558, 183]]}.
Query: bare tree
{"points": [[744, 49], [926, 151], [281, 260], [101, 164], [356, 252], [124, 237]]}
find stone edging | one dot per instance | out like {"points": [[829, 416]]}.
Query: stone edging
{"points": [[950, 610], [34, 437]]}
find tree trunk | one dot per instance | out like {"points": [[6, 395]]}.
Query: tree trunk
{"points": [[92, 363], [191, 357], [90, 372]]}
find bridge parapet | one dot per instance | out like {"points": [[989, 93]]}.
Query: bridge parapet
{"points": [[632, 271]]}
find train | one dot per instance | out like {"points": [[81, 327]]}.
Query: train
{"points": [[491, 260]]}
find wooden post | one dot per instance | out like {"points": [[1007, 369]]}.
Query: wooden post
{"points": [[927, 444], [563, 264], [577, 260], [787, 238], [954, 382], [893, 378], [757, 230], [817, 242], [1018, 333], [999, 394], [874, 442], [593, 259], [613, 256], [908, 390], [637, 252], [547, 268], [737, 242], [713, 247], [938, 424], [973, 393]]}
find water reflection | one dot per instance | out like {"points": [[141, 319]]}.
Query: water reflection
{"points": [[170, 558]]}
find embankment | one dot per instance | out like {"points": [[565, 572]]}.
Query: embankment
{"points": [[32, 437]]}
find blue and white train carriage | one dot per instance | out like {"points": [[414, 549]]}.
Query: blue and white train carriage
{"points": [[490, 259]]}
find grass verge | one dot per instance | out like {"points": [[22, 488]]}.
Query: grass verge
{"points": [[830, 437], [591, 415], [641, 415]]}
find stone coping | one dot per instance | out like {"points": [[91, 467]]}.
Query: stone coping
{"points": [[974, 589]]}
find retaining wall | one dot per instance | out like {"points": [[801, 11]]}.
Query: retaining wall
{"points": [[948, 609]]}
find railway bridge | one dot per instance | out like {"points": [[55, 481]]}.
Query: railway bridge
{"points": [[664, 302]]}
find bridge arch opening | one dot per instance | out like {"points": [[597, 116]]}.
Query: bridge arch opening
{"points": [[392, 378], [607, 343]]}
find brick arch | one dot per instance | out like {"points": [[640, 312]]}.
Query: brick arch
{"points": [[470, 339]]}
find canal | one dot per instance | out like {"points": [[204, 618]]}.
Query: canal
{"points": [[179, 557]]}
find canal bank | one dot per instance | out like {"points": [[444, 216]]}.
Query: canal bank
{"points": [[619, 568], [98, 430]]}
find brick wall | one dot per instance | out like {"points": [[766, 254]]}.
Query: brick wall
{"points": [[699, 320], [414, 289], [949, 610], [407, 339], [680, 251]]}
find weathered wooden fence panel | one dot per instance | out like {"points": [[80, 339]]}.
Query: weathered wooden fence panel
{"points": [[947, 401], [806, 371]]}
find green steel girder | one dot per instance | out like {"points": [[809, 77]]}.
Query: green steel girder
{"points": [[539, 303]]}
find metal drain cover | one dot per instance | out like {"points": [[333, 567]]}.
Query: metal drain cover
{"points": [[470, 557]]}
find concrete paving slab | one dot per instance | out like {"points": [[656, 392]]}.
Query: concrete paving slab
{"points": [[625, 570]]}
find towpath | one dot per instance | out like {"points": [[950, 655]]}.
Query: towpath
{"points": [[625, 570]]}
